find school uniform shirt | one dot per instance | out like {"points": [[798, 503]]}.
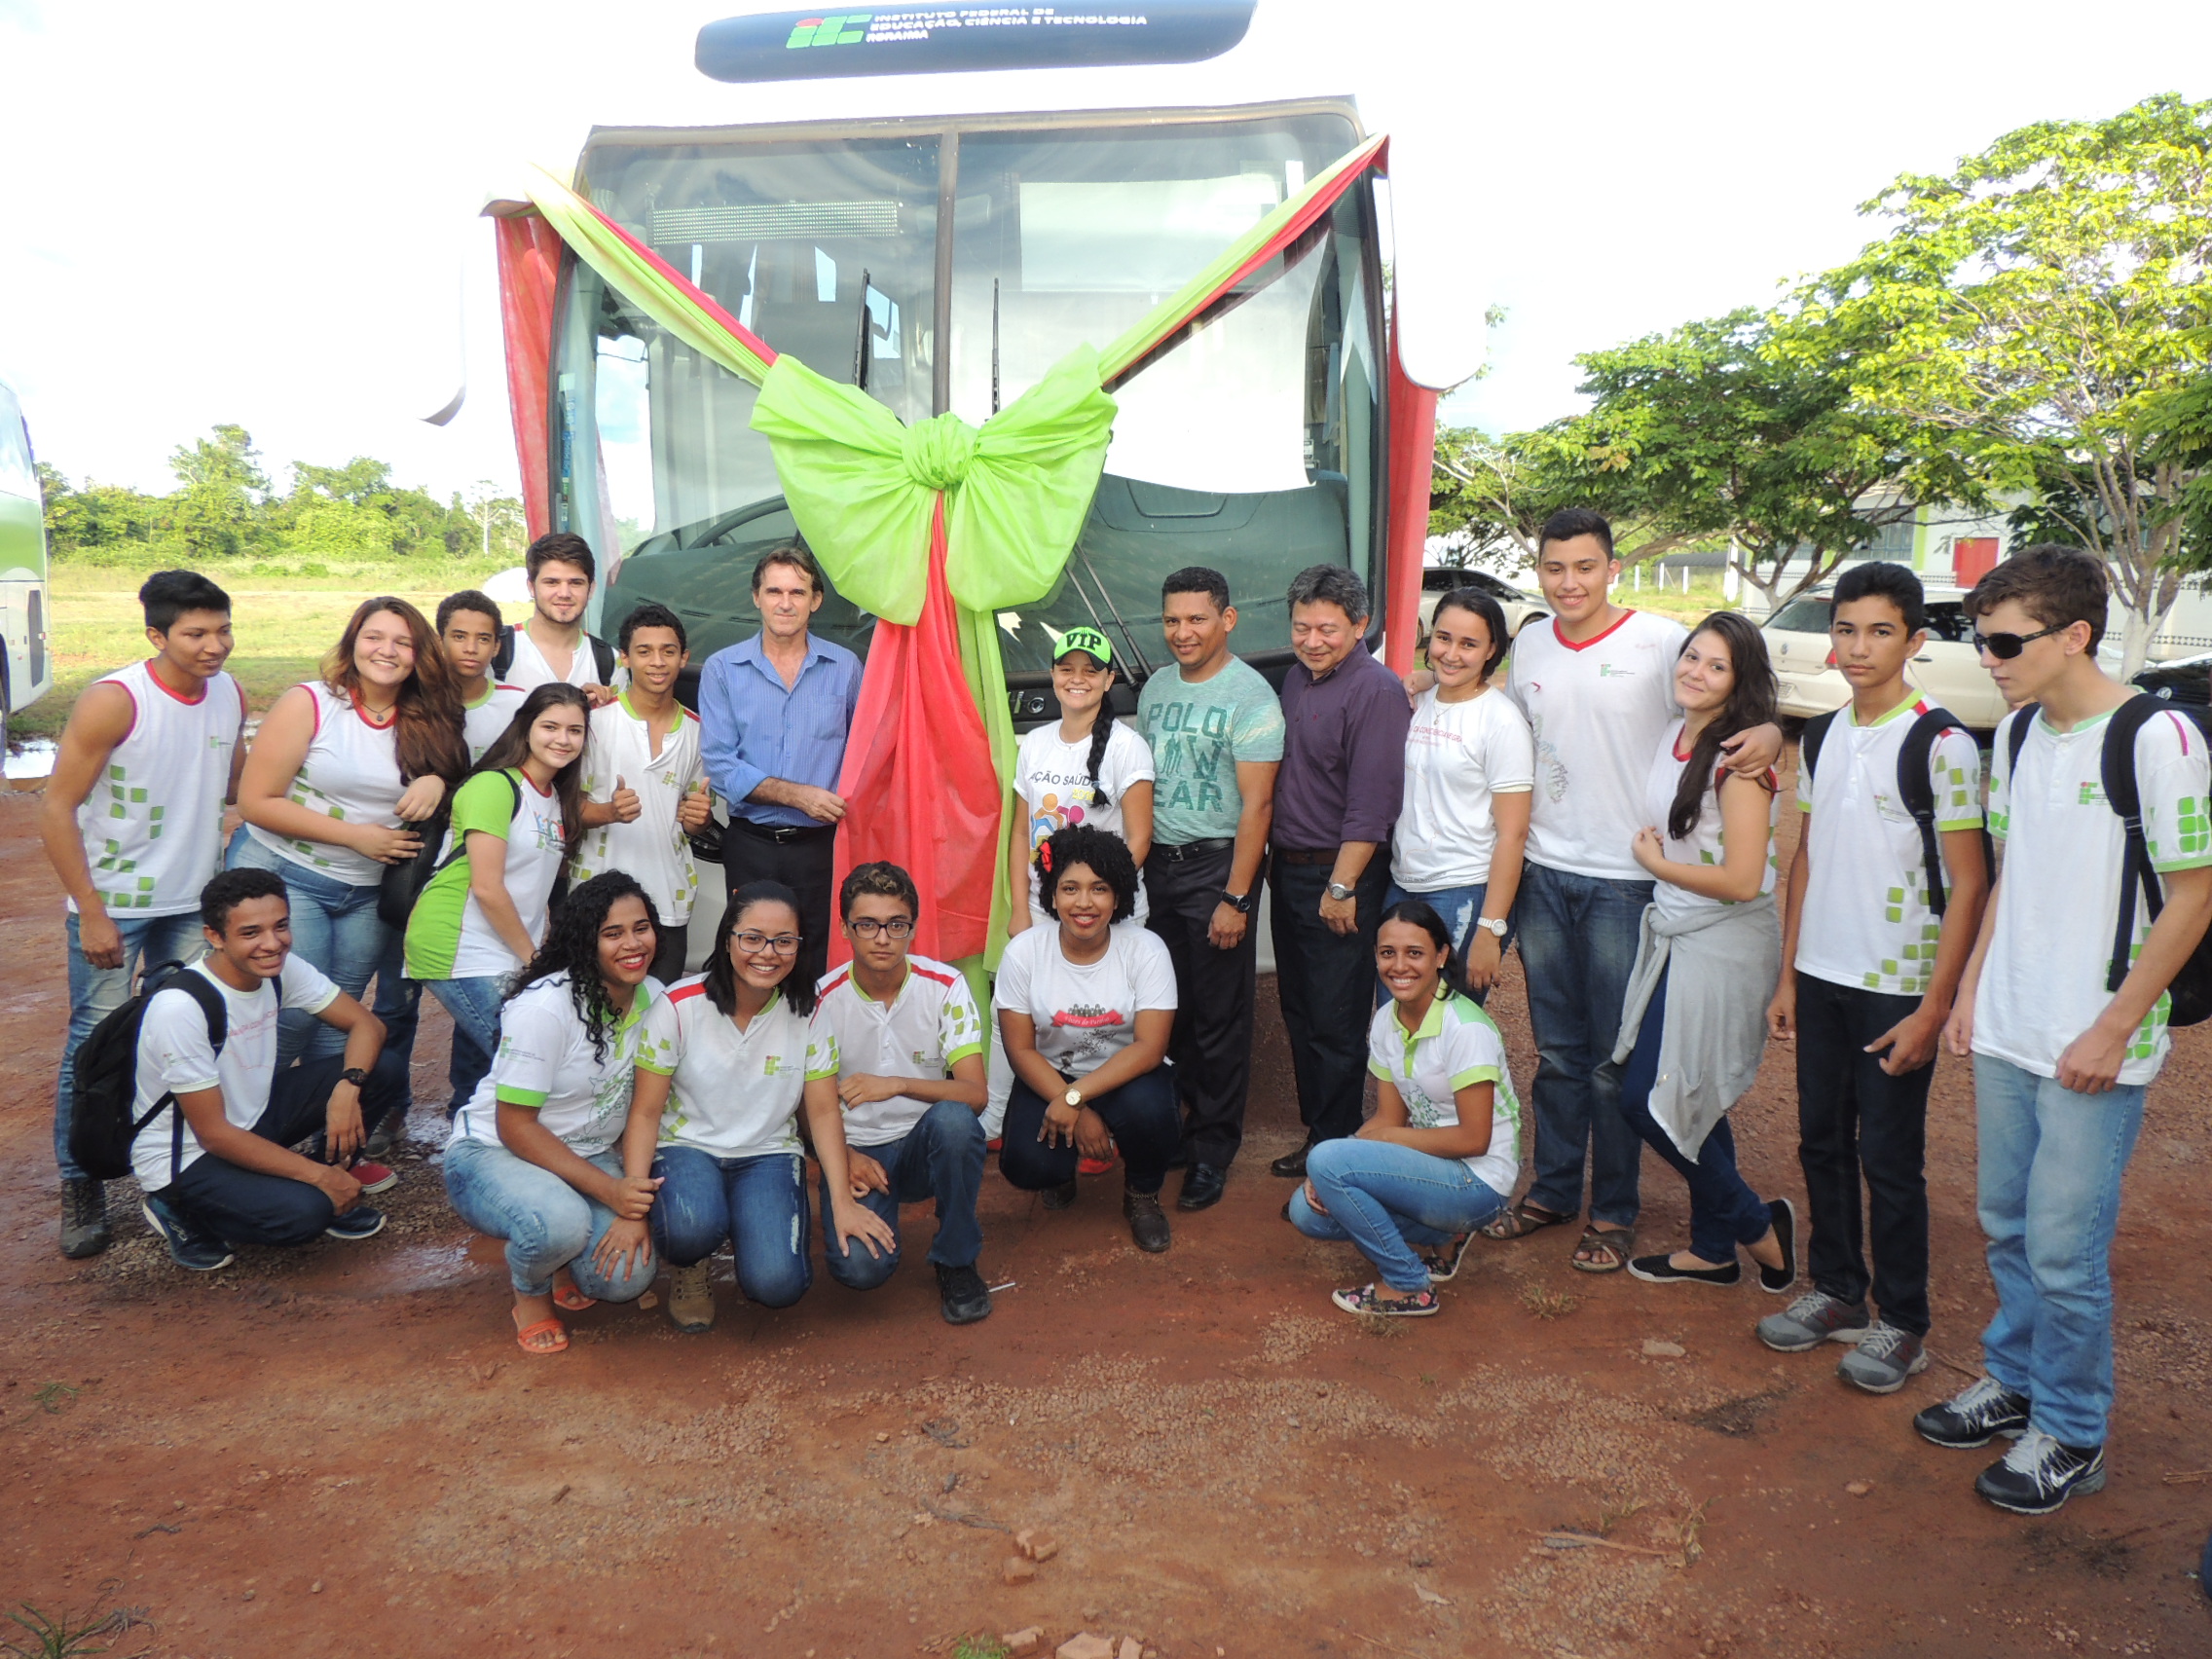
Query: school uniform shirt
{"points": [[1455, 1048], [1596, 712], [653, 849], [734, 1093], [546, 1062], [931, 1024], [485, 721], [529, 670], [1085, 1014], [1705, 843], [350, 772], [448, 935], [1198, 733], [1053, 778], [2043, 983], [1867, 923], [176, 1057], [152, 827], [1458, 755]]}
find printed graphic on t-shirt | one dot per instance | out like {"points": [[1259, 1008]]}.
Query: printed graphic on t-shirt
{"points": [[1098, 1021]]}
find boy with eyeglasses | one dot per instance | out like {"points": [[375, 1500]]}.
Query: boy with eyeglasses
{"points": [[902, 1035], [2061, 1062]]}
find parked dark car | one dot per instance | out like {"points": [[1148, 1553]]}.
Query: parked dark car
{"points": [[2182, 679]]}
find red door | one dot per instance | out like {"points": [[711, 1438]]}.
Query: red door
{"points": [[1972, 556]]}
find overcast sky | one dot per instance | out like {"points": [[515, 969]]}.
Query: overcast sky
{"points": [[260, 212]]}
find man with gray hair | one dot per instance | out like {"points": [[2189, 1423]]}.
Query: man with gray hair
{"points": [[1343, 769]]}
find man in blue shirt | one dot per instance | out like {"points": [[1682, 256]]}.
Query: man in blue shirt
{"points": [[774, 712]]}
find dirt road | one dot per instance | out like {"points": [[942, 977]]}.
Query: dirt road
{"points": [[342, 1452]]}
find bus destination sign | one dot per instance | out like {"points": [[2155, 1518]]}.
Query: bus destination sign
{"points": [[926, 40]]}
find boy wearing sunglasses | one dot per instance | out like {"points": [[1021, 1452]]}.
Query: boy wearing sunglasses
{"points": [[2060, 1061], [902, 1035]]}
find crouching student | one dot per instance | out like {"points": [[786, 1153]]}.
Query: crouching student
{"points": [[899, 1036], [1440, 1156], [215, 1162], [533, 1159], [719, 1086], [1086, 1010]]}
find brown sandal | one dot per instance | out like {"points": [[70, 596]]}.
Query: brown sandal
{"points": [[1518, 1221], [1599, 1251]]}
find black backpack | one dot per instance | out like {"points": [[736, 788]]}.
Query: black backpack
{"points": [[1914, 791], [2190, 989], [601, 656], [403, 883], [105, 1071]]}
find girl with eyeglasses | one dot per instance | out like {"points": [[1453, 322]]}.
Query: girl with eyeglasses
{"points": [[725, 1072], [532, 1157]]}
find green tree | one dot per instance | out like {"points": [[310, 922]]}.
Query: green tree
{"points": [[1489, 495], [215, 512], [2036, 308]]}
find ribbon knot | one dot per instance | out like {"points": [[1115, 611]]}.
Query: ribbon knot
{"points": [[936, 452]]}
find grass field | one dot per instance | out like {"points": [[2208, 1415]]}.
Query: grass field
{"points": [[283, 623]]}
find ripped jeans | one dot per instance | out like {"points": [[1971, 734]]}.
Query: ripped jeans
{"points": [[759, 1204]]}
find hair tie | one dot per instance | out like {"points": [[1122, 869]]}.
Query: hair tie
{"points": [[1044, 857]]}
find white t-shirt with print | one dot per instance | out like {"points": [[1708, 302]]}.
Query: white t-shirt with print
{"points": [[1867, 922], [545, 1061], [2043, 983], [735, 1093], [653, 848], [1087, 1013], [1458, 755], [919, 1033], [1455, 1048], [1705, 844], [1596, 710], [176, 1057], [1053, 778]]}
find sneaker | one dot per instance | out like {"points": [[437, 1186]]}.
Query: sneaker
{"points": [[965, 1296], [1976, 1416], [190, 1246], [1092, 1166], [1882, 1362], [2037, 1474], [389, 1135], [1443, 1260], [1813, 1318], [83, 1218], [374, 1177], [995, 1143], [690, 1299], [1062, 1197], [1362, 1299], [359, 1223], [1148, 1222]]}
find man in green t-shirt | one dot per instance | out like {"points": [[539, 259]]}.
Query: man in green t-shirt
{"points": [[1215, 728]]}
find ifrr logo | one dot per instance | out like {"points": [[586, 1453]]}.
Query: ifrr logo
{"points": [[837, 30]]}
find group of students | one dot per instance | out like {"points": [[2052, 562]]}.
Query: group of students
{"points": [[1600, 791]]}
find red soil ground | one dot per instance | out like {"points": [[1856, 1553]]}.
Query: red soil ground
{"points": [[342, 1452]]}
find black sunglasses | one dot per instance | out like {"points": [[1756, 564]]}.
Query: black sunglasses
{"points": [[2006, 647]]}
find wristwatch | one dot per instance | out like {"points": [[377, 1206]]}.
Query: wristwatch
{"points": [[1340, 892], [1491, 925], [355, 1075], [1073, 1099], [1240, 902]]}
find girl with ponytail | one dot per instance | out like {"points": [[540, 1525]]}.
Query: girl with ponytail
{"points": [[1087, 770]]}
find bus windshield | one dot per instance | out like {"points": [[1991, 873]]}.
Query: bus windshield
{"points": [[1254, 446]]}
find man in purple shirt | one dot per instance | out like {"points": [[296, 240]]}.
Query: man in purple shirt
{"points": [[1343, 770]]}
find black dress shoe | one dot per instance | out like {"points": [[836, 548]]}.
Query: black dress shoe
{"points": [[965, 1298], [1203, 1188], [1291, 1166], [1062, 1197], [1148, 1222]]}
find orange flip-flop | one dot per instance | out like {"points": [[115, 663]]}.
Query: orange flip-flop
{"points": [[568, 1299], [533, 1339]]}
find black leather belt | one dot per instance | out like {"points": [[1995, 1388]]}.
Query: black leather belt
{"points": [[785, 833], [1306, 855], [1175, 852]]}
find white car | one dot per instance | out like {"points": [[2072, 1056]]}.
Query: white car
{"points": [[1518, 603], [1948, 671]]}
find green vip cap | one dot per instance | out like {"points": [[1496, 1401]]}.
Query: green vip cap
{"points": [[1084, 639]]}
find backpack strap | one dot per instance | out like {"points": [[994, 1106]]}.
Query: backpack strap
{"points": [[1809, 741], [217, 1015], [2116, 767], [601, 658], [2016, 738], [503, 658], [1916, 792]]}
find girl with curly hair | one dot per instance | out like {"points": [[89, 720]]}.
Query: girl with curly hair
{"points": [[532, 1157], [1085, 1009]]}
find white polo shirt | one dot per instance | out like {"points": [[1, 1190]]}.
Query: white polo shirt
{"points": [[546, 1063], [920, 1033], [735, 1092], [1455, 1048]]}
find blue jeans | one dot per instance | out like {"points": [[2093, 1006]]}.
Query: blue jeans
{"points": [[1385, 1198], [547, 1224], [1141, 1115], [474, 1005], [95, 994], [940, 1158], [1725, 1211], [1458, 906], [1578, 937], [758, 1204], [2048, 1194], [335, 926]]}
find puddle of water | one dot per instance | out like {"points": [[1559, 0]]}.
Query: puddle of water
{"points": [[32, 759]]}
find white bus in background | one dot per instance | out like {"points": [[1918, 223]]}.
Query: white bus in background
{"points": [[26, 670]]}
